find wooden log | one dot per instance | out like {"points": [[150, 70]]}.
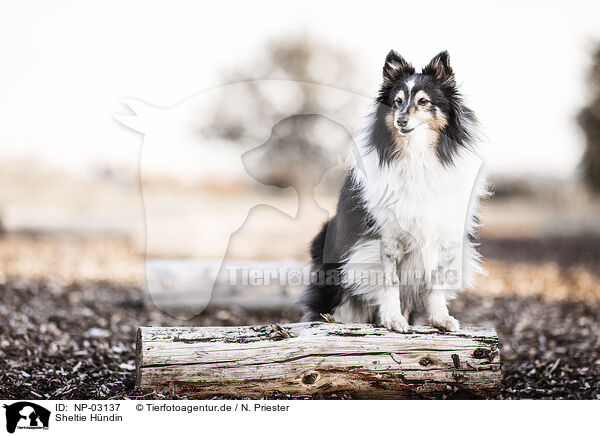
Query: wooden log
{"points": [[318, 358]]}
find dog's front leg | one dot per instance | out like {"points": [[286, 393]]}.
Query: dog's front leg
{"points": [[388, 298], [438, 311], [445, 286]]}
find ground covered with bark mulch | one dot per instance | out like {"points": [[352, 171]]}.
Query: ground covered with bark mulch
{"points": [[77, 341]]}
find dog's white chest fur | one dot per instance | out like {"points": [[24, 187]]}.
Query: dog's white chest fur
{"points": [[423, 212], [420, 201]]}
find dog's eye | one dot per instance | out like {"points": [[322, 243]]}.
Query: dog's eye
{"points": [[399, 102], [423, 101]]}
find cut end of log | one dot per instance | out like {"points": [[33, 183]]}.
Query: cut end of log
{"points": [[139, 358], [318, 358]]}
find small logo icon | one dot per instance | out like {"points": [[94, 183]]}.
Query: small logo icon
{"points": [[26, 415]]}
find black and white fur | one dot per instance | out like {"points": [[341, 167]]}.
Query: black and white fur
{"points": [[408, 207]]}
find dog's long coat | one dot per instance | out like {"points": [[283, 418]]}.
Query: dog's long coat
{"points": [[403, 235]]}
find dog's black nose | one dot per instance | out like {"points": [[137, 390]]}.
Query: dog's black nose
{"points": [[402, 121]]}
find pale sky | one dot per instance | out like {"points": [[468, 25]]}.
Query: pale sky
{"points": [[66, 66]]}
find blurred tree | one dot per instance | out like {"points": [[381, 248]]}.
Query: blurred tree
{"points": [[589, 120], [294, 154], [302, 142]]}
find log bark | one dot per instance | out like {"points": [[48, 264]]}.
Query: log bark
{"points": [[318, 358]]}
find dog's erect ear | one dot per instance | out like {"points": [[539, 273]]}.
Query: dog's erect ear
{"points": [[395, 66], [440, 68]]}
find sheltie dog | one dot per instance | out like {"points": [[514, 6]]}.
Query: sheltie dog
{"points": [[403, 239]]}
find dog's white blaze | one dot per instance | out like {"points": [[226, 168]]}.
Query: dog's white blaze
{"points": [[410, 83], [424, 212]]}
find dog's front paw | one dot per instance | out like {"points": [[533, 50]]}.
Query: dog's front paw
{"points": [[394, 322], [447, 323]]}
